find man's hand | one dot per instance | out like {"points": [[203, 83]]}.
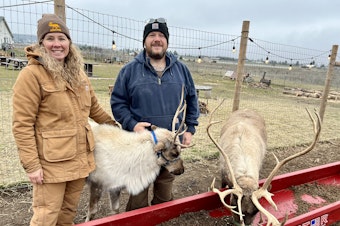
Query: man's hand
{"points": [[140, 126], [187, 137]]}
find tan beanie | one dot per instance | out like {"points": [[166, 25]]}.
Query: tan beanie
{"points": [[51, 23]]}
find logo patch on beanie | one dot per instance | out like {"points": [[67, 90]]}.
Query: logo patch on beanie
{"points": [[155, 26], [54, 27]]}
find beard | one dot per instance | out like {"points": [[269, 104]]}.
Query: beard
{"points": [[155, 55]]}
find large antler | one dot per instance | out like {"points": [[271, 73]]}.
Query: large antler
{"points": [[263, 191], [236, 190], [182, 107]]}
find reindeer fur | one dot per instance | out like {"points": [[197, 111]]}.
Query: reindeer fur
{"points": [[243, 138], [129, 160]]}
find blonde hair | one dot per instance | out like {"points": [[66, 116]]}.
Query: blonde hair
{"points": [[71, 71]]}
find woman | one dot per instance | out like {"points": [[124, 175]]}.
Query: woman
{"points": [[52, 100]]}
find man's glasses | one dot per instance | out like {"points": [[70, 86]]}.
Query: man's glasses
{"points": [[158, 20]]}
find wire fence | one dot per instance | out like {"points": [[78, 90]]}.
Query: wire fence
{"points": [[296, 69]]}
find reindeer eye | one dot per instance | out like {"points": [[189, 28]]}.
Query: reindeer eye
{"points": [[175, 155]]}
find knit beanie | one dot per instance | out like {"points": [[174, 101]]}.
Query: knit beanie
{"points": [[156, 26], [51, 23]]}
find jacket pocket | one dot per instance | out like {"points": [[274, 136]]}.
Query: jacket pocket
{"points": [[59, 145], [90, 137], [56, 100], [85, 96]]}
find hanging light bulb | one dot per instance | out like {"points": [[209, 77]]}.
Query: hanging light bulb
{"points": [[267, 60], [114, 45], [199, 59], [234, 49], [290, 65], [329, 56]]}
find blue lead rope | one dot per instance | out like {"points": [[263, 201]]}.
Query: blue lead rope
{"points": [[154, 137]]}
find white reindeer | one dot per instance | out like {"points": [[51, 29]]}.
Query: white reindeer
{"points": [[242, 145], [132, 160]]}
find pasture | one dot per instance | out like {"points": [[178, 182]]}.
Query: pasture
{"points": [[288, 125], [287, 122]]}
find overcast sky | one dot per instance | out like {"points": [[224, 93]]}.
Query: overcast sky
{"points": [[313, 24]]}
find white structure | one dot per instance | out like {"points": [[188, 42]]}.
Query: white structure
{"points": [[6, 36], [230, 74]]}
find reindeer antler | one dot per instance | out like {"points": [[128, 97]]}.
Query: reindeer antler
{"points": [[236, 190], [263, 191], [182, 107]]}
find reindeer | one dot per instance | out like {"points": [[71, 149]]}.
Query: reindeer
{"points": [[132, 160], [265, 81], [242, 145]]}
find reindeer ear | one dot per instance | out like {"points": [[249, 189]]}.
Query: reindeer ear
{"points": [[159, 146], [153, 127]]}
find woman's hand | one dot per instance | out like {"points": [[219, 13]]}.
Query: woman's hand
{"points": [[36, 177]]}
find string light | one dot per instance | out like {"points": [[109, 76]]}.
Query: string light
{"points": [[267, 58], [199, 60], [282, 57], [234, 49], [114, 45], [113, 41], [208, 46], [290, 66]]}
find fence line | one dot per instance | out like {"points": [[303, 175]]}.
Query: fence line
{"points": [[94, 32]]}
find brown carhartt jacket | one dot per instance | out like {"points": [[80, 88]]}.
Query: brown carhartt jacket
{"points": [[50, 125]]}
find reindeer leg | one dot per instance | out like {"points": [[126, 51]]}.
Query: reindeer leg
{"points": [[95, 194], [114, 200], [226, 182]]}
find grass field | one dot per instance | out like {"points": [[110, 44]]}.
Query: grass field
{"points": [[287, 121]]}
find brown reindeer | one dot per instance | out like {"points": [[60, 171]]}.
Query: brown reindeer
{"points": [[242, 146]]}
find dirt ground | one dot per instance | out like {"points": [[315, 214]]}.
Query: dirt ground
{"points": [[15, 203]]}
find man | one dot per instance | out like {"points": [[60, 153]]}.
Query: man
{"points": [[147, 92]]}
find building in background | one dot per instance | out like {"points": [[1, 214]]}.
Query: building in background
{"points": [[6, 36]]}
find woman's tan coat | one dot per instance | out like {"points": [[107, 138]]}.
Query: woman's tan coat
{"points": [[50, 125]]}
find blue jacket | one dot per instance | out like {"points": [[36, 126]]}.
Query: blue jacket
{"points": [[140, 95]]}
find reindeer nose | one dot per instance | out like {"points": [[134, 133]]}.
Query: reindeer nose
{"points": [[178, 171]]}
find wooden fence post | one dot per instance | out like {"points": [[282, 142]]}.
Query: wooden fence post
{"points": [[59, 9], [328, 80], [240, 64]]}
